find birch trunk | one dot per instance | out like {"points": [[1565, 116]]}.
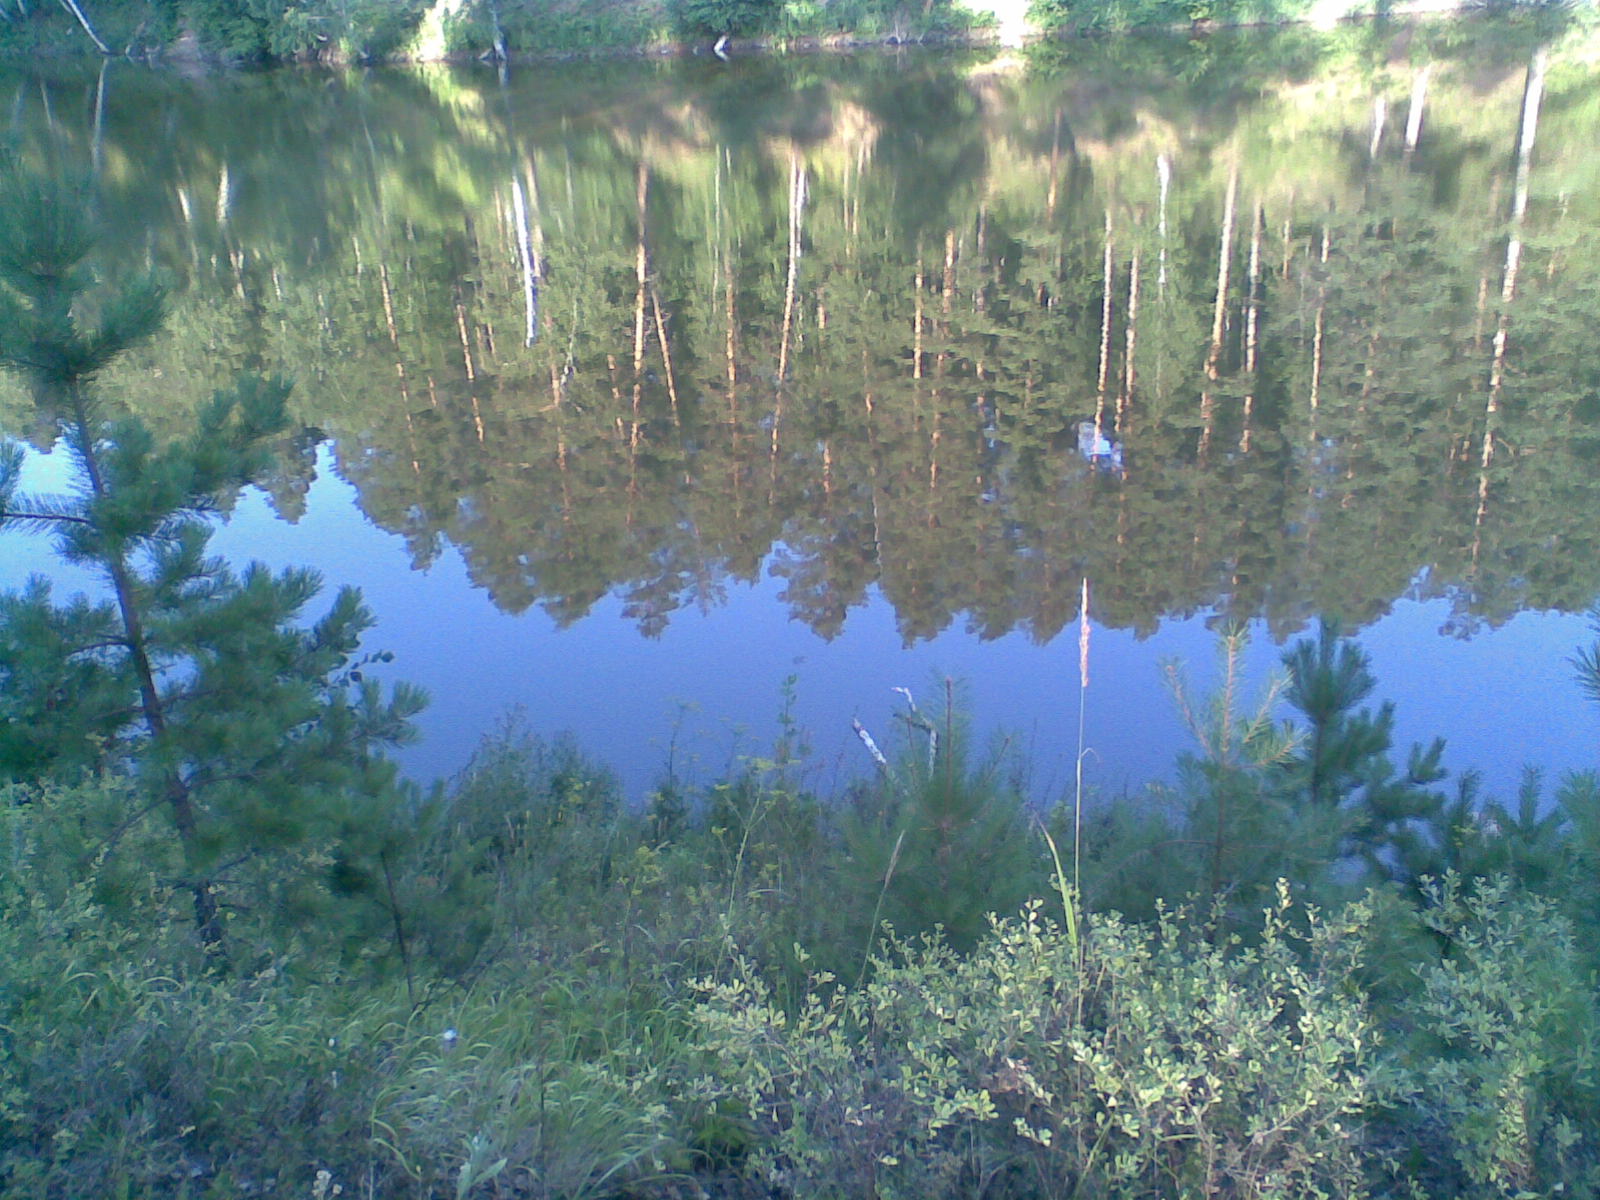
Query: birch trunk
{"points": [[530, 265], [1252, 324], [1219, 311], [797, 202], [1164, 179], [1106, 270], [72, 7], [1419, 96], [1532, 97], [1125, 398]]}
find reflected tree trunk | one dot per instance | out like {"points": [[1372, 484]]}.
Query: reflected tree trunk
{"points": [[529, 264], [1481, 312], [466, 341], [666, 352], [1053, 192], [730, 347], [388, 310], [1288, 243], [97, 142], [1419, 96], [1107, 272], [917, 316], [224, 196], [1125, 397], [1252, 324], [1532, 97], [980, 289], [641, 272], [1315, 398], [797, 203], [1164, 181], [78, 14], [1219, 312]]}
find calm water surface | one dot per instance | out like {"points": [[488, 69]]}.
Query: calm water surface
{"points": [[633, 391]]}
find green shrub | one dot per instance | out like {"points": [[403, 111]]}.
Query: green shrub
{"points": [[1506, 1057], [736, 18], [1145, 1062], [837, 1105]]}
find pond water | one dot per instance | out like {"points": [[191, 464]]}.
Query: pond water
{"points": [[654, 398]]}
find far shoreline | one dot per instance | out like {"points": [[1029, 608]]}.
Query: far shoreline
{"points": [[186, 54]]}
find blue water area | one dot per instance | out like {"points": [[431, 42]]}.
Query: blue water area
{"points": [[708, 691]]}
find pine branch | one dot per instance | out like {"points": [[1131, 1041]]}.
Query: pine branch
{"points": [[36, 522], [106, 644], [108, 845], [37, 514]]}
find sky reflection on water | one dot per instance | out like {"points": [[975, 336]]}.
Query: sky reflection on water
{"points": [[707, 692]]}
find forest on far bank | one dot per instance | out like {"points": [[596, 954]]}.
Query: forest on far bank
{"points": [[265, 31]]}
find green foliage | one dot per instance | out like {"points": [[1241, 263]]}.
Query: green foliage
{"points": [[940, 842], [557, 26], [835, 1109], [1586, 660], [1319, 801], [1079, 17], [1156, 1064], [553, 930], [122, 1065], [1117, 16], [1506, 1054], [528, 833], [1229, 833], [44, 642], [542, 1086], [735, 18], [252, 731], [286, 30], [710, 19], [1345, 762]]}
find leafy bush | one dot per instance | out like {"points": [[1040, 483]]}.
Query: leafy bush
{"points": [[736, 18], [1506, 1061], [836, 1104], [1094, 16], [1141, 1062]]}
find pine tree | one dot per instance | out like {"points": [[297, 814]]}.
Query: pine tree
{"points": [[252, 731], [1388, 815], [948, 843]]}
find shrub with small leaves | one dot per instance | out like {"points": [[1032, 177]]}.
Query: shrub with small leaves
{"points": [[1143, 1062], [1506, 1063]]}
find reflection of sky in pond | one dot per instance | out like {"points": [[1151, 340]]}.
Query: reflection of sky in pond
{"points": [[1502, 698]]}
